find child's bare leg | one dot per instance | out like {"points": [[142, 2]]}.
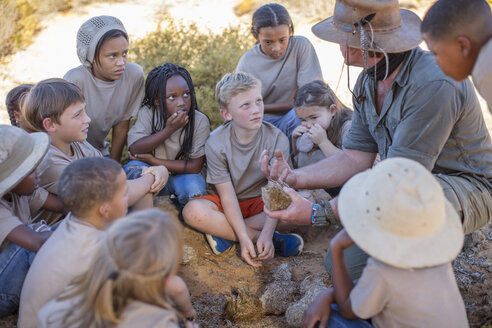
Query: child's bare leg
{"points": [[204, 216]]}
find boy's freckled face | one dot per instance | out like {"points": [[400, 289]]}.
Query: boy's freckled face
{"points": [[118, 206], [27, 185], [111, 63], [315, 114], [274, 40], [74, 123], [178, 96], [448, 56], [246, 109]]}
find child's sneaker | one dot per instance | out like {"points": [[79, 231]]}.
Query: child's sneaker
{"points": [[290, 244], [219, 245]]}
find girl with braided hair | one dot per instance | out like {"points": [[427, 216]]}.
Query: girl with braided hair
{"points": [[170, 131], [13, 102], [132, 280]]}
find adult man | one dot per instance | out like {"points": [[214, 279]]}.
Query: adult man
{"points": [[404, 106]]}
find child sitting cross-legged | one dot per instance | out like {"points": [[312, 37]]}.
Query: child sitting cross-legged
{"points": [[396, 213], [233, 153], [58, 108], [131, 281], [96, 192]]}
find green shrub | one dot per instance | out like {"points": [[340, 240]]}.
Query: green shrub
{"points": [[207, 56]]}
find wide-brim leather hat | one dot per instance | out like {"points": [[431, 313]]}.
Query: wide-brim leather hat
{"points": [[392, 29]]}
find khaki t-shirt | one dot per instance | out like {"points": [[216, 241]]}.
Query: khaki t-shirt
{"points": [[58, 162], [108, 102], [482, 73], [281, 77], [19, 210], [135, 314], [171, 146], [64, 256], [228, 160], [395, 297]]}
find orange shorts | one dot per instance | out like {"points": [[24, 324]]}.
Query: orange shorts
{"points": [[249, 207]]}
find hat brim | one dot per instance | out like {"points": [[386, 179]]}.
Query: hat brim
{"points": [[41, 144], [398, 251], [405, 38]]}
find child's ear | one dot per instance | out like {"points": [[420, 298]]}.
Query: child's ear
{"points": [[49, 125], [465, 45], [333, 109], [17, 116], [225, 114], [104, 210]]}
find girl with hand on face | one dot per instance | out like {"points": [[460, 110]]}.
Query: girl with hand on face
{"points": [[113, 88], [170, 131], [283, 62]]}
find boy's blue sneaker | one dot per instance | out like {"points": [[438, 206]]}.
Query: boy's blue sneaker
{"points": [[290, 244], [219, 245]]}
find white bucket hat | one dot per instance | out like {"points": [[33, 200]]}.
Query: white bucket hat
{"points": [[397, 213], [392, 29], [20, 153]]}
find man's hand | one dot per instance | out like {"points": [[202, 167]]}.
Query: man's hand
{"points": [[146, 158], [248, 252], [319, 310], [160, 174], [299, 211], [279, 169]]}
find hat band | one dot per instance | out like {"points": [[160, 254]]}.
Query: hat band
{"points": [[351, 27], [22, 149]]}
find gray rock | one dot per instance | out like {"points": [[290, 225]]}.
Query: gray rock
{"points": [[189, 254], [277, 296]]}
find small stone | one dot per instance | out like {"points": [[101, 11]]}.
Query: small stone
{"points": [[304, 143], [189, 254], [282, 272], [277, 296], [274, 196]]}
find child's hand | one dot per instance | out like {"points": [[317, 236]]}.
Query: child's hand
{"points": [[341, 240], [146, 158], [176, 121], [319, 310], [160, 174], [317, 134], [248, 252], [265, 248], [300, 130]]}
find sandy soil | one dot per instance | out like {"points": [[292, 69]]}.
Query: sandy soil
{"points": [[213, 279]]}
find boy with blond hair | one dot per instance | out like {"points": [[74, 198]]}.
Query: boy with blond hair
{"points": [[58, 107], [459, 34], [233, 152]]}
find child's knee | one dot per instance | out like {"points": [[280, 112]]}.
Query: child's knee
{"points": [[191, 211]]}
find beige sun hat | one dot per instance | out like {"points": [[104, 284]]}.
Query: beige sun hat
{"points": [[393, 29], [397, 213], [20, 153]]}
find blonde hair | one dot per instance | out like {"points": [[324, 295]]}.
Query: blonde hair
{"points": [[49, 99], [233, 84], [138, 254]]}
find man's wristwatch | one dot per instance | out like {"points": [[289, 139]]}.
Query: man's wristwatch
{"points": [[323, 214]]}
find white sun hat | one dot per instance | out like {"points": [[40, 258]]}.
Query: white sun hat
{"points": [[20, 153], [397, 213]]}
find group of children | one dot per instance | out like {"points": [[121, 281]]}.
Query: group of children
{"points": [[92, 268]]}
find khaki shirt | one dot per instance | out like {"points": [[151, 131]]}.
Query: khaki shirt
{"points": [[395, 297], [228, 160], [426, 117], [171, 146], [108, 102], [281, 77]]}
